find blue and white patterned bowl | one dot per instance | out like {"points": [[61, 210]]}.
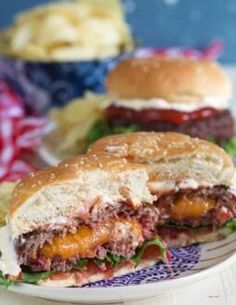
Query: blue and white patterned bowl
{"points": [[188, 265], [44, 85]]}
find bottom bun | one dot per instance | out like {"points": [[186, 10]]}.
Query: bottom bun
{"points": [[78, 279]]}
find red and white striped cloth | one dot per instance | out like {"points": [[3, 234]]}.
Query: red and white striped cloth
{"points": [[17, 134], [212, 51]]}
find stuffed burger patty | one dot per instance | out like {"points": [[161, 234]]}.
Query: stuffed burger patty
{"points": [[182, 95], [116, 209]]}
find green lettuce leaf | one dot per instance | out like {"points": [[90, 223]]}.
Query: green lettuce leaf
{"points": [[81, 264], [34, 278], [114, 260], [123, 129], [101, 129], [98, 261], [211, 139], [231, 224], [230, 146], [5, 282], [137, 258]]}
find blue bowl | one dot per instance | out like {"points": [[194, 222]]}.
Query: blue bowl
{"points": [[44, 85]]}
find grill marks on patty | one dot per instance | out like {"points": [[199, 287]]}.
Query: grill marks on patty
{"points": [[124, 241]]}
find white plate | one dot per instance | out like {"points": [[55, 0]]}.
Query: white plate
{"points": [[188, 265], [46, 150]]}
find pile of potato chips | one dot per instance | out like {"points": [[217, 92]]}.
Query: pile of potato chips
{"points": [[68, 31], [6, 189], [74, 121]]}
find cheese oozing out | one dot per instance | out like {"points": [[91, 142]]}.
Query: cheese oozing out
{"points": [[85, 241], [186, 207]]}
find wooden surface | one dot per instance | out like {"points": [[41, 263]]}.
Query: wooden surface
{"points": [[217, 290]]}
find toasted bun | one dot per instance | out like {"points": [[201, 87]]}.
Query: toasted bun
{"points": [[171, 157], [73, 188], [175, 80]]}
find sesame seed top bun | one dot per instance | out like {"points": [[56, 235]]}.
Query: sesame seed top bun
{"points": [[73, 187], [175, 80], [145, 146], [171, 156]]}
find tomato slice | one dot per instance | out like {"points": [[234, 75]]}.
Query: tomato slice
{"points": [[150, 115]]}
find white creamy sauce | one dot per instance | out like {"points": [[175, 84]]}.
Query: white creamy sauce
{"points": [[171, 185], [158, 103], [188, 183], [163, 185], [60, 220], [8, 260]]}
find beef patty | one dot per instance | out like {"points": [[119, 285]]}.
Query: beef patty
{"points": [[124, 229], [219, 125]]}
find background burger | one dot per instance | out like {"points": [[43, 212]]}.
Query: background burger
{"points": [[183, 95]]}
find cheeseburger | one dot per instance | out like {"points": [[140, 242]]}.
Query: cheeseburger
{"points": [[86, 219], [182, 95], [193, 181]]}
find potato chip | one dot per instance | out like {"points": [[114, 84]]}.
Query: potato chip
{"points": [[70, 30], [66, 32], [22, 37], [71, 52], [74, 121]]}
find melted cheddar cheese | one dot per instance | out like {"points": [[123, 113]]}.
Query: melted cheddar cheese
{"points": [[85, 241], [191, 207]]}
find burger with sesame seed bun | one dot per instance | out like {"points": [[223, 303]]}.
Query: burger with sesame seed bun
{"points": [[182, 95], [79, 222], [193, 181]]}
